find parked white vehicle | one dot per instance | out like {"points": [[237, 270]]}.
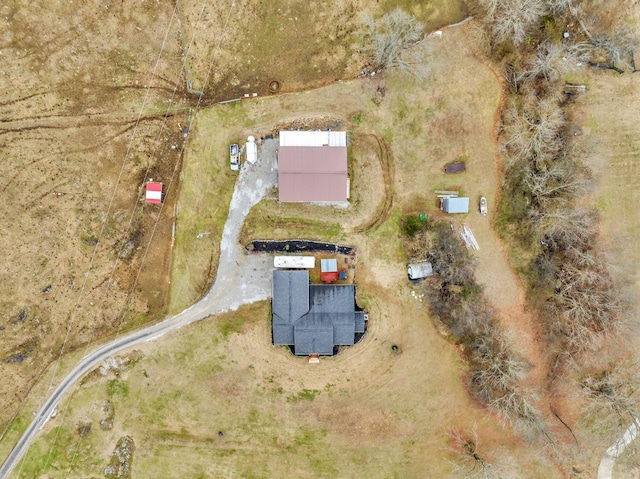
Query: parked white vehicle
{"points": [[483, 206]]}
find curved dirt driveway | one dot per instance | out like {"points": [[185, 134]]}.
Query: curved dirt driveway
{"points": [[240, 279]]}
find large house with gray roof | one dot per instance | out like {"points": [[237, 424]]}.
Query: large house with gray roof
{"points": [[313, 318]]}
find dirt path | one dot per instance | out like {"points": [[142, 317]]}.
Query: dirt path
{"points": [[502, 285]]}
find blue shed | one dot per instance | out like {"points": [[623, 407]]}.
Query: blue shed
{"points": [[455, 205]]}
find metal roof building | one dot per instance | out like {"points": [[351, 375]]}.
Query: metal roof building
{"points": [[419, 270], [312, 166], [455, 205], [313, 138], [313, 319]]}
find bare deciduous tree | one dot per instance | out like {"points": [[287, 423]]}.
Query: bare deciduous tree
{"points": [[586, 304], [496, 369], [511, 20], [559, 7], [396, 42], [562, 228], [517, 407], [616, 48], [469, 462], [559, 178], [612, 398], [533, 131], [553, 61]]}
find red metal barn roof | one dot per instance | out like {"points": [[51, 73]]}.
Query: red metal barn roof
{"points": [[154, 192], [312, 173]]}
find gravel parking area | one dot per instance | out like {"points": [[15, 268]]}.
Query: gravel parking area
{"points": [[244, 278]]}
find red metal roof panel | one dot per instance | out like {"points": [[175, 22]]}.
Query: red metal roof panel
{"points": [[312, 173]]}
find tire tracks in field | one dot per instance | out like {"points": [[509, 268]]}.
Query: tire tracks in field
{"points": [[58, 122], [66, 152], [385, 156]]}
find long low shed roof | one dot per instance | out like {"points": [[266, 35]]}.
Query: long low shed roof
{"points": [[313, 138]]}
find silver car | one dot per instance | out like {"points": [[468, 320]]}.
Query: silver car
{"points": [[234, 157]]}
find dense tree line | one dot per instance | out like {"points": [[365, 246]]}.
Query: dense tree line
{"points": [[545, 183], [545, 175], [457, 301]]}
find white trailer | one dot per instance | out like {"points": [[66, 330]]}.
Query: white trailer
{"points": [[294, 262]]}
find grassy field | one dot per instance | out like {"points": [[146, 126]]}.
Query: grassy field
{"points": [[206, 188], [75, 155], [611, 136], [216, 399], [253, 42], [369, 411]]}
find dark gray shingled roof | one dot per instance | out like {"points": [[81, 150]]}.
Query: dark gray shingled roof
{"points": [[332, 298], [313, 334], [313, 318], [290, 295], [359, 317]]}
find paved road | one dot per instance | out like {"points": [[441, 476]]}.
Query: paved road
{"points": [[605, 469], [240, 279]]}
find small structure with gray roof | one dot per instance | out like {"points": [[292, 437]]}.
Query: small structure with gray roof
{"points": [[313, 318], [419, 270], [455, 205]]}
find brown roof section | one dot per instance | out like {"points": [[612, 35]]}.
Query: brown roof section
{"points": [[312, 173]]}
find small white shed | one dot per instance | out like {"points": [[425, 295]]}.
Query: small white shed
{"points": [[419, 270]]}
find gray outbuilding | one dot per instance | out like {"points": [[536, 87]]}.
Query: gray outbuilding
{"points": [[419, 270], [455, 205]]}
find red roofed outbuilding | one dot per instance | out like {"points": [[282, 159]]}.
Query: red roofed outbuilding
{"points": [[154, 192]]}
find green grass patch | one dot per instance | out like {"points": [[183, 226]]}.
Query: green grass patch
{"points": [[272, 220], [203, 205], [117, 387], [304, 395], [238, 321], [48, 455]]}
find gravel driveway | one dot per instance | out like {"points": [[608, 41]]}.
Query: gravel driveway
{"points": [[244, 278]]}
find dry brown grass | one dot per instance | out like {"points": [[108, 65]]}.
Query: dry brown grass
{"points": [[368, 411], [611, 135], [72, 90], [73, 81]]}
